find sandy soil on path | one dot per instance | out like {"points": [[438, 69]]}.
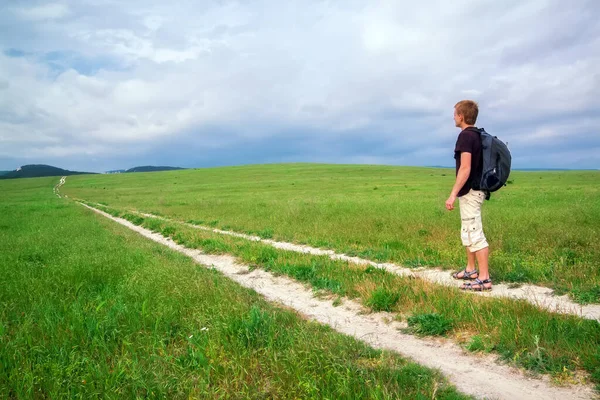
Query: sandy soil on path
{"points": [[480, 376], [539, 296], [58, 185]]}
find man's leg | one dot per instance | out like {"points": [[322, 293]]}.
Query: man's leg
{"points": [[470, 267], [467, 209], [484, 273], [470, 260], [478, 247], [482, 260], [482, 250]]}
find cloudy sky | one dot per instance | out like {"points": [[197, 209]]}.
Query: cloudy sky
{"points": [[107, 84]]}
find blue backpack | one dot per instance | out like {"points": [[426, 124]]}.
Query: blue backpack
{"points": [[496, 162]]}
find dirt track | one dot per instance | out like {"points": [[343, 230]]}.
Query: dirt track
{"points": [[539, 296], [480, 376]]}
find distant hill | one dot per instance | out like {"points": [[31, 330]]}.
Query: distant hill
{"points": [[116, 171], [38, 170], [150, 168], [4, 172]]}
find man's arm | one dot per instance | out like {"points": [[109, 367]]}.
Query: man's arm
{"points": [[461, 178]]}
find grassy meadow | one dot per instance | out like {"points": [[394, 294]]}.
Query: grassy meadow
{"points": [[562, 346], [90, 309], [543, 228]]}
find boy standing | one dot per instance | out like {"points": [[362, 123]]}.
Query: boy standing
{"points": [[468, 156]]}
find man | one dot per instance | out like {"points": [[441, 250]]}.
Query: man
{"points": [[468, 156]]}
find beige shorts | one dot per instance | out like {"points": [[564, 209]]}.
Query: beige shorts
{"points": [[471, 226]]}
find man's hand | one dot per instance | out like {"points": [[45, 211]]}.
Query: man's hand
{"points": [[450, 203], [461, 178]]}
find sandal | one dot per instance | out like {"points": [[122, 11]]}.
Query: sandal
{"points": [[467, 275], [477, 286]]}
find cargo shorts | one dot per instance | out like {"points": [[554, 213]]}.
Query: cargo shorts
{"points": [[471, 225]]}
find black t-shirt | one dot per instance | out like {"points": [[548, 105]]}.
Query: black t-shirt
{"points": [[469, 141]]}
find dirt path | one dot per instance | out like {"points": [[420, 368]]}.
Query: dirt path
{"points": [[58, 185], [539, 296], [476, 375]]}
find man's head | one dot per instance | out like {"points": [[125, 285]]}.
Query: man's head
{"points": [[465, 113]]}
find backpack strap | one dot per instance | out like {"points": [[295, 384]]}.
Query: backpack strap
{"points": [[487, 194]]}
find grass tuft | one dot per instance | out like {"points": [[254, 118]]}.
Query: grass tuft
{"points": [[587, 295], [429, 324], [480, 343], [383, 299]]}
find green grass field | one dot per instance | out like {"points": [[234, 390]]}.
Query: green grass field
{"points": [[78, 290], [89, 309], [544, 227], [523, 335]]}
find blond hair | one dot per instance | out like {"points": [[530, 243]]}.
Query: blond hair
{"points": [[468, 109]]}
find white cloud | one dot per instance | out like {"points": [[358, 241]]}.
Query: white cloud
{"points": [[389, 68], [43, 12]]}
